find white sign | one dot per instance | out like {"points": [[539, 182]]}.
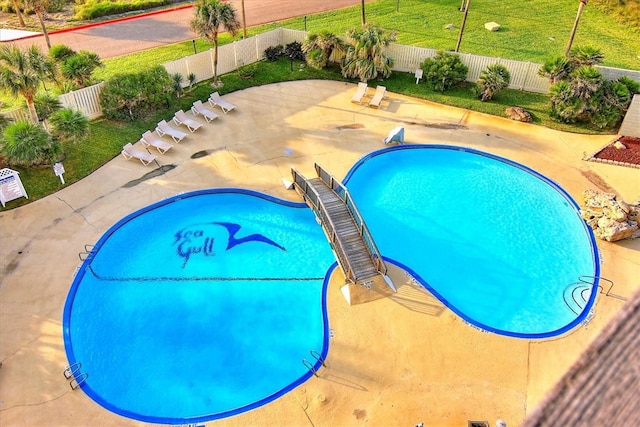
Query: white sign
{"points": [[11, 187], [58, 169], [418, 74]]}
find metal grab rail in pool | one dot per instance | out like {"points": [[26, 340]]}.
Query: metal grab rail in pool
{"points": [[310, 366], [73, 374]]}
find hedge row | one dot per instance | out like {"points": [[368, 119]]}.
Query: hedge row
{"points": [[96, 8]]}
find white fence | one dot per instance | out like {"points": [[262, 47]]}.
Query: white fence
{"points": [[524, 75], [86, 100], [232, 56]]}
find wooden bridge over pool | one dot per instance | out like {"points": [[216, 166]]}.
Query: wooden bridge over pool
{"points": [[350, 239]]}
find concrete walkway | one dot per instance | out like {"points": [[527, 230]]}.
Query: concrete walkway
{"points": [[396, 361]]}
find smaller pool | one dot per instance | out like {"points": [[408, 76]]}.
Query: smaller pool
{"points": [[500, 244]]}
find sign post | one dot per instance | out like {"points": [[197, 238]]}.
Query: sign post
{"points": [[10, 186], [58, 169]]}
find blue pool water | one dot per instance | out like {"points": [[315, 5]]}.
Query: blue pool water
{"points": [[205, 305], [501, 245]]}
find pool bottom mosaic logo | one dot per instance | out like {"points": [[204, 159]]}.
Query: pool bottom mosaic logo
{"points": [[210, 238]]}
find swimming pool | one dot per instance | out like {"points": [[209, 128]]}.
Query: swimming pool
{"points": [[204, 305], [503, 246], [200, 307]]}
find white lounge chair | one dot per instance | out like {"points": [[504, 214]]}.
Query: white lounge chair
{"points": [[199, 108], [381, 91], [360, 93], [130, 152], [181, 118], [163, 128], [150, 140], [216, 101]]}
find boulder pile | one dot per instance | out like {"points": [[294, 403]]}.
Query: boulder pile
{"points": [[609, 218]]}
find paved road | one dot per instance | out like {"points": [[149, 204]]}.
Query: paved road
{"points": [[119, 38]]}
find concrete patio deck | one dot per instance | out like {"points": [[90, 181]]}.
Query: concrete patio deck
{"points": [[397, 361]]}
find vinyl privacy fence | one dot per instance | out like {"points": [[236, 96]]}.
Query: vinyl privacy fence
{"points": [[524, 75]]}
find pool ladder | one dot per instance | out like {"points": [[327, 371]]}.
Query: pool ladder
{"points": [[310, 366], [73, 374], [88, 249]]}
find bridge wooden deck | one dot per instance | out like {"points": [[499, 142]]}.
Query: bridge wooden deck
{"points": [[347, 232], [349, 236]]}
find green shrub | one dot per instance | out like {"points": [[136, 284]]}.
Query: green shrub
{"points": [[96, 8], [444, 71], [293, 51], [272, 53], [25, 143], [632, 85], [60, 52], [135, 95], [587, 97]]}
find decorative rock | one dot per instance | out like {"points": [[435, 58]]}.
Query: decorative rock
{"points": [[610, 219], [519, 114], [619, 145], [612, 231], [449, 27], [492, 26]]}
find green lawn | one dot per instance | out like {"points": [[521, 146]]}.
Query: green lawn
{"points": [[531, 30]]}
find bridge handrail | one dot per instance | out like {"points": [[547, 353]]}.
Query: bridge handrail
{"points": [[308, 192], [343, 193]]}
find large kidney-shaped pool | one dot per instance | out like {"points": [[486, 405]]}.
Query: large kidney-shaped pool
{"points": [[212, 303]]}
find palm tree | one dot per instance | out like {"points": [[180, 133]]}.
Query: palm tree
{"points": [[244, 21], [16, 8], [210, 15], [22, 73], [586, 55], [78, 67], [365, 57], [320, 46], [362, 14], [69, 125], [40, 9], [585, 81], [556, 69], [492, 79], [581, 6]]}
